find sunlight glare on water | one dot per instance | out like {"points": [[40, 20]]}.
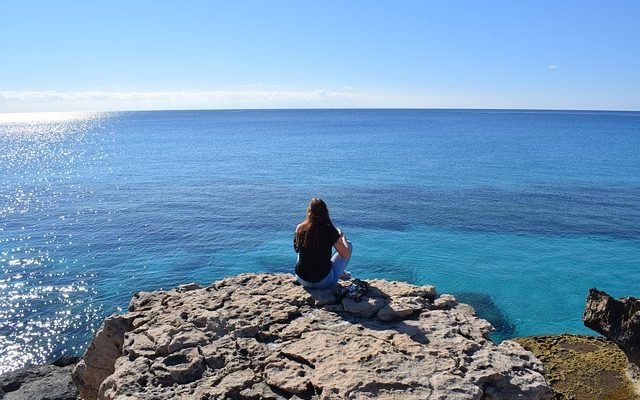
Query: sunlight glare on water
{"points": [[43, 302]]}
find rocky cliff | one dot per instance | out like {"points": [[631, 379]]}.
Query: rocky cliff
{"points": [[619, 321], [265, 337]]}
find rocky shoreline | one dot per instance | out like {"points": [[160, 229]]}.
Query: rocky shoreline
{"points": [[263, 336]]}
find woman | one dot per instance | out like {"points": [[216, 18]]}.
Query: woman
{"points": [[314, 237]]}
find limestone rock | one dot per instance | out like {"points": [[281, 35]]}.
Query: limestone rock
{"points": [[445, 302], [366, 307], [262, 336], [394, 289], [290, 376], [401, 308], [99, 359]]}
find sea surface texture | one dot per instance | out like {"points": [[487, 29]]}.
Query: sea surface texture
{"points": [[518, 213]]}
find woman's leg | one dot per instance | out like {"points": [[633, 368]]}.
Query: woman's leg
{"points": [[339, 263], [303, 282], [327, 282]]}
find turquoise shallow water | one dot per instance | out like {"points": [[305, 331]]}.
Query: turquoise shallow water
{"points": [[515, 212]]}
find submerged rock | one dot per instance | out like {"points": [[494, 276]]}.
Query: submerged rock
{"points": [[262, 336]]}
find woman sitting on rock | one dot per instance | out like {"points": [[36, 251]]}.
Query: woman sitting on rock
{"points": [[314, 237]]}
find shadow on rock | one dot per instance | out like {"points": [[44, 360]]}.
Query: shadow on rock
{"points": [[384, 306]]}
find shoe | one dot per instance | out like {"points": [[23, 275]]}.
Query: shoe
{"points": [[346, 275]]}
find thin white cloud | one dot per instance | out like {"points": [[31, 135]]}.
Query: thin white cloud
{"points": [[50, 95], [46, 100], [553, 66], [260, 98]]}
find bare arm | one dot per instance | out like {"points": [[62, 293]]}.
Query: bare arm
{"points": [[295, 244], [341, 246]]}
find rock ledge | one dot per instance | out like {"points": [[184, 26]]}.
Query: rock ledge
{"points": [[262, 336]]}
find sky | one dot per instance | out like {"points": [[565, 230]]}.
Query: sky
{"points": [[136, 54]]}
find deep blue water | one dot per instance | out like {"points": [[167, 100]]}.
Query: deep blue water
{"points": [[516, 212]]}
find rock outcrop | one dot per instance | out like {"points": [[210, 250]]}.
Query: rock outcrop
{"points": [[99, 360], [40, 382], [619, 321], [262, 336]]}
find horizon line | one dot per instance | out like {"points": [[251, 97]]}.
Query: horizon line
{"points": [[329, 109]]}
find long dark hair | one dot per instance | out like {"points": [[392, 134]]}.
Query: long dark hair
{"points": [[317, 216]]}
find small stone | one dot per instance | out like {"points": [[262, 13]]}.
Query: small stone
{"points": [[366, 307], [188, 287], [445, 302], [401, 308]]}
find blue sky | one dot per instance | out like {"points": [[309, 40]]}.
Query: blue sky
{"points": [[120, 55]]}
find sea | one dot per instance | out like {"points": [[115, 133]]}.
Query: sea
{"points": [[516, 212]]}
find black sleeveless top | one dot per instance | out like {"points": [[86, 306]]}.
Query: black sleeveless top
{"points": [[314, 262]]}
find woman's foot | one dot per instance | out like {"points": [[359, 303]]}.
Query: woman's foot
{"points": [[346, 275]]}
